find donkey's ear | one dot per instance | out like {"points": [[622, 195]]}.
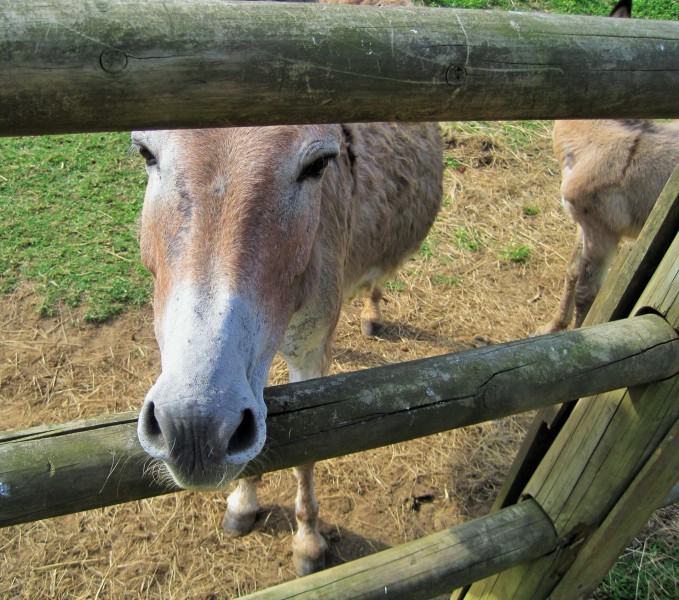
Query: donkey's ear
{"points": [[622, 9]]}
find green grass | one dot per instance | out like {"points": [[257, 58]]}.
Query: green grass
{"points": [[518, 136], [517, 254], [649, 572], [449, 161], [467, 239], [69, 206], [395, 285], [445, 280], [427, 249], [646, 9]]}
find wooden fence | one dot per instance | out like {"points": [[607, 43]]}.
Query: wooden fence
{"points": [[590, 472], [48, 471]]}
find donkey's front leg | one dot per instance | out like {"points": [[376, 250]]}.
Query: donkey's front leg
{"points": [[599, 249], [242, 506], [308, 545]]}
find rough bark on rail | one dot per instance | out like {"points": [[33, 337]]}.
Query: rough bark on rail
{"points": [[83, 66], [46, 471]]}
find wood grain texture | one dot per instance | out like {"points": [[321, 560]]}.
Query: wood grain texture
{"points": [[45, 472], [432, 565], [84, 66], [613, 535]]}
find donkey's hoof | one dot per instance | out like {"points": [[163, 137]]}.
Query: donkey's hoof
{"points": [[239, 525], [306, 566], [370, 329]]}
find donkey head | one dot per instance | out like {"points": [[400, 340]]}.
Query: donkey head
{"points": [[229, 232]]}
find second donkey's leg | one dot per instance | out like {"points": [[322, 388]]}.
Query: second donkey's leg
{"points": [[598, 252], [564, 314]]}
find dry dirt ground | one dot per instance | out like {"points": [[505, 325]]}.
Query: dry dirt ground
{"points": [[501, 194]]}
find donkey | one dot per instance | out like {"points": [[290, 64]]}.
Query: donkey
{"points": [[254, 236], [612, 173]]}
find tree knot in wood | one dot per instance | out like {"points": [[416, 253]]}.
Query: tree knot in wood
{"points": [[113, 60], [456, 75]]}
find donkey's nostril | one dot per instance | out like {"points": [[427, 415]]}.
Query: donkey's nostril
{"points": [[245, 435], [150, 423], [150, 432]]}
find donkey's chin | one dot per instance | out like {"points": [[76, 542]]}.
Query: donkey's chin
{"points": [[212, 479]]}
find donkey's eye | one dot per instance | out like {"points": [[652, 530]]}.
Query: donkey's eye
{"points": [[148, 156], [315, 169]]}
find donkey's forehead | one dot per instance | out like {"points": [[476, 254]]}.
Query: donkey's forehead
{"points": [[250, 140]]}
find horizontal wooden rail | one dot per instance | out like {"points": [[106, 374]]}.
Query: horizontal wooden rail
{"points": [[82, 66], [48, 471], [434, 564]]}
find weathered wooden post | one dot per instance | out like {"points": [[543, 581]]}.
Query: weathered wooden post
{"points": [[615, 459]]}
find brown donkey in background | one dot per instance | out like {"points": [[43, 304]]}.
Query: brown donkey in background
{"points": [[612, 174]]}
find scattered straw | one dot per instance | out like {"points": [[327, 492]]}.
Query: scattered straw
{"points": [[59, 369]]}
